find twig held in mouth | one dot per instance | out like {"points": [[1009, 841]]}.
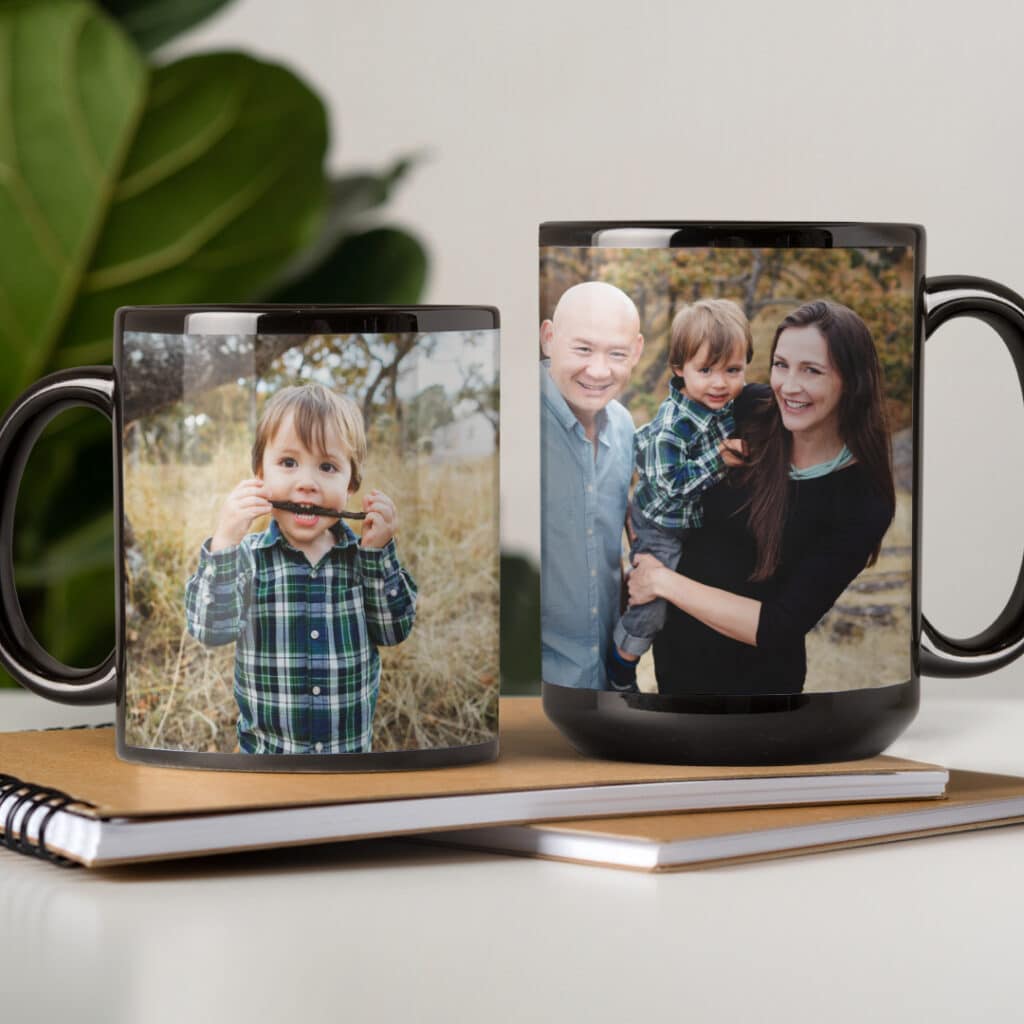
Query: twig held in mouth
{"points": [[317, 510]]}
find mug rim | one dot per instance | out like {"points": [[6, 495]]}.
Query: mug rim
{"points": [[745, 234], [308, 318]]}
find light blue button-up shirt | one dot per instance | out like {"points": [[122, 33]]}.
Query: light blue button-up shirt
{"points": [[583, 510]]}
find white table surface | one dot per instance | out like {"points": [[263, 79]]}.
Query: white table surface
{"points": [[927, 930]]}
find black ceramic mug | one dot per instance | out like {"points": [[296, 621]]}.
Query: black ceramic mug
{"points": [[306, 519], [748, 396]]}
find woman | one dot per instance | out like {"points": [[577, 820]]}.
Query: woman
{"points": [[787, 530]]}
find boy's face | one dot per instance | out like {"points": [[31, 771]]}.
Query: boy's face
{"points": [[714, 386], [294, 473]]}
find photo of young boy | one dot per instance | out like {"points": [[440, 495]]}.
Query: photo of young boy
{"points": [[306, 601], [312, 548]]}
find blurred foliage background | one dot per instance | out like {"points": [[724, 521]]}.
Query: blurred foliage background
{"points": [[131, 180]]}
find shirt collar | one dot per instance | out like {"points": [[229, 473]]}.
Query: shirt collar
{"points": [[343, 537], [699, 414], [555, 401]]}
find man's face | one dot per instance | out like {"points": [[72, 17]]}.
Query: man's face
{"points": [[593, 350]]}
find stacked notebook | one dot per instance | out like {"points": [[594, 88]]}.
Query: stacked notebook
{"points": [[66, 796], [677, 842]]}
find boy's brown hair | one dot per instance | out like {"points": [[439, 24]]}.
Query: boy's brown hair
{"points": [[315, 410], [719, 322]]}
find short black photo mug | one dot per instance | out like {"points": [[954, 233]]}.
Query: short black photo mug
{"points": [[731, 487], [306, 522]]}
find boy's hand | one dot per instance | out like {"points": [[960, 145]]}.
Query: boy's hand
{"points": [[734, 452], [247, 501], [381, 521]]}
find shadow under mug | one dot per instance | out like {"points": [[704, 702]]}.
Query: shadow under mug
{"points": [[825, 677], [306, 535]]}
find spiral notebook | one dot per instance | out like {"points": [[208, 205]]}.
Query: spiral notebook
{"points": [[65, 795]]}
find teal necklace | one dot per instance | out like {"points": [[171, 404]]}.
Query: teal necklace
{"points": [[822, 468]]}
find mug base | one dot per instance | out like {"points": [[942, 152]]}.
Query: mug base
{"points": [[383, 761], [806, 728]]}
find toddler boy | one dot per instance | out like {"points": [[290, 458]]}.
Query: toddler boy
{"points": [[306, 600], [679, 456]]}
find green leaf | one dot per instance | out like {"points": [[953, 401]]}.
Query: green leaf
{"points": [[350, 197], [70, 100], [212, 201], [196, 186], [384, 265], [77, 614], [151, 23], [87, 547], [354, 194]]}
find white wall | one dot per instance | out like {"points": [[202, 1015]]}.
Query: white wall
{"points": [[873, 110]]}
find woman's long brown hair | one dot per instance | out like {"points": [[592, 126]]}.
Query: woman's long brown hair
{"points": [[862, 426]]}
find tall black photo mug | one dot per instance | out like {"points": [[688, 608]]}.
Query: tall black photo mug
{"points": [[731, 487]]}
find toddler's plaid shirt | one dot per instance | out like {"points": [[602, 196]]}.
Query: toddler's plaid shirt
{"points": [[678, 459], [307, 669]]}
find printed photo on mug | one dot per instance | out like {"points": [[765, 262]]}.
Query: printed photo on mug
{"points": [[311, 541], [727, 467]]}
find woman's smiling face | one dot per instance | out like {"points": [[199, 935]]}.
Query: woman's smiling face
{"points": [[805, 382]]}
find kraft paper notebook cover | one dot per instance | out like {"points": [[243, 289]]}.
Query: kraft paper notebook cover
{"points": [[123, 812], [677, 842]]}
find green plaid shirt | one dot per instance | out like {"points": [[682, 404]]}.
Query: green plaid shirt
{"points": [[678, 458], [307, 671]]}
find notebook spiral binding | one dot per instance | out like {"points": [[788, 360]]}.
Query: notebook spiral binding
{"points": [[33, 799]]}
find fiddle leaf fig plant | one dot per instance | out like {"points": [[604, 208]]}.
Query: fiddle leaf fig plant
{"points": [[151, 23], [127, 182], [133, 182]]}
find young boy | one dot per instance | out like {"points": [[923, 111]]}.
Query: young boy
{"points": [[307, 602], [679, 455]]}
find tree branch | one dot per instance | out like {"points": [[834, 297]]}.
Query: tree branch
{"points": [[162, 369]]}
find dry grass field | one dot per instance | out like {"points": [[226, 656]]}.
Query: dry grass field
{"points": [[439, 688], [864, 640]]}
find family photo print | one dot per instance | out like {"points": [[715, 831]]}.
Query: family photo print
{"points": [[727, 467]]}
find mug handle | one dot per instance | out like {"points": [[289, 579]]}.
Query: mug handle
{"points": [[1002, 641], [20, 653]]}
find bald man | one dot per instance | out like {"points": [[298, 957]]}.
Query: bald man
{"points": [[591, 344]]}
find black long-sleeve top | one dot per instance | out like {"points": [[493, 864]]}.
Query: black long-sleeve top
{"points": [[833, 524]]}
